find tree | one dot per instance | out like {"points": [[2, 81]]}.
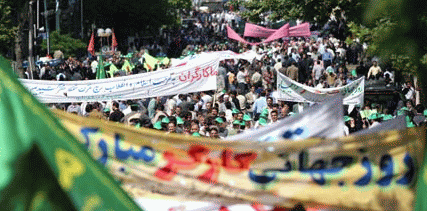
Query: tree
{"points": [[176, 7], [403, 39], [7, 30], [306, 10], [64, 42], [20, 10], [130, 17]]}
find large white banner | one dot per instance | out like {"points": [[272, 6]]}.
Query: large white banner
{"points": [[248, 55], [324, 120], [223, 55], [290, 90], [198, 75]]}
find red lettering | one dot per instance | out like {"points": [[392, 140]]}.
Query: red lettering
{"points": [[211, 175], [196, 75], [196, 155], [213, 71], [239, 163], [182, 75], [205, 73], [199, 154]]}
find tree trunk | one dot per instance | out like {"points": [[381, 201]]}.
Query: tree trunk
{"points": [[19, 70], [19, 57]]}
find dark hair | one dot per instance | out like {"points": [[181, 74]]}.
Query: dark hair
{"points": [[116, 104], [419, 108], [228, 105], [134, 107], [172, 119], [160, 107], [274, 111], [89, 108]]}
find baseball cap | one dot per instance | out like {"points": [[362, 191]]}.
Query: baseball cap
{"points": [[387, 117], [219, 120], [262, 121], [165, 120], [246, 118], [179, 121], [158, 125]]}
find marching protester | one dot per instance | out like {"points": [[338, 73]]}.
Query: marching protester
{"points": [[247, 93]]}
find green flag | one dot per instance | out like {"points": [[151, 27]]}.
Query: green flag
{"points": [[100, 71], [42, 166], [127, 66], [164, 60], [421, 200], [150, 62], [113, 69]]}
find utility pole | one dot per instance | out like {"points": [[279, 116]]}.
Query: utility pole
{"points": [[58, 12], [38, 14], [30, 40], [47, 27], [81, 19]]}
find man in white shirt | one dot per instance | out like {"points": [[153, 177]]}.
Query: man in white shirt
{"points": [[374, 120], [205, 98], [375, 71], [278, 65], [318, 71], [409, 91], [94, 66]]}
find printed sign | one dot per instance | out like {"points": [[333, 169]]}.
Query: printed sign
{"points": [[290, 90], [199, 75], [374, 172], [323, 121]]}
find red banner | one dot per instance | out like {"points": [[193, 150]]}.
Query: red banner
{"points": [[302, 30], [91, 47], [253, 30], [233, 35]]}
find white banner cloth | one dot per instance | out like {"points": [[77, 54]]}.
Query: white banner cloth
{"points": [[198, 75], [290, 90], [223, 55], [324, 120]]}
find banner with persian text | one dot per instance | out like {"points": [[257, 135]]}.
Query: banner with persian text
{"points": [[324, 120], [290, 90], [198, 75], [371, 172], [223, 55]]}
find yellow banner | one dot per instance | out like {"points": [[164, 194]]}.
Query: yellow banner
{"points": [[371, 172]]}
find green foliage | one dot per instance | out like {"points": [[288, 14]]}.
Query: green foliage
{"points": [[375, 37], [307, 10], [396, 31], [7, 30], [68, 45], [180, 4], [175, 7]]}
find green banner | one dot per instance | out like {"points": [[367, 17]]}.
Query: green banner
{"points": [[100, 71], [42, 166], [421, 201]]}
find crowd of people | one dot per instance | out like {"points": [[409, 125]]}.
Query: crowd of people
{"points": [[246, 97]]}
